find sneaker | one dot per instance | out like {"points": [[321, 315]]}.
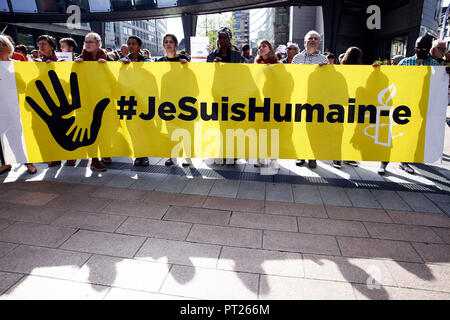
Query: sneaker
{"points": [[5, 168], [406, 167], [312, 164], [70, 163], [54, 164], [169, 162], [351, 163], [300, 162], [97, 165], [145, 162], [382, 170], [337, 164], [31, 169], [137, 162], [275, 164], [107, 160]]}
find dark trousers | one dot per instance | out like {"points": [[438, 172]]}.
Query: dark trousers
{"points": [[2, 158]]}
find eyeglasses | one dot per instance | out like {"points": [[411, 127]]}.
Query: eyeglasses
{"points": [[313, 38], [290, 48]]}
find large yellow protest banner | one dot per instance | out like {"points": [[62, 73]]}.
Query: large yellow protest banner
{"points": [[69, 110]]}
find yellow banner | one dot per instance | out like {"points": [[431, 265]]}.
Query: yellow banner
{"points": [[205, 110]]}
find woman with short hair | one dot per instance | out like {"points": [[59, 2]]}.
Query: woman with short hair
{"points": [[266, 54], [134, 44], [47, 47], [170, 45], [92, 51]]}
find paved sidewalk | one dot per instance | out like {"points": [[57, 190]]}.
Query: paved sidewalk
{"points": [[225, 233]]}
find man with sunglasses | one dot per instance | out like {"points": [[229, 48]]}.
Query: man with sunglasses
{"points": [[310, 55], [292, 50], [422, 56], [439, 52]]}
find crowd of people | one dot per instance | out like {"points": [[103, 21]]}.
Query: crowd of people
{"points": [[427, 53]]}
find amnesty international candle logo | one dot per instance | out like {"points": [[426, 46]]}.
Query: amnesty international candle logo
{"points": [[384, 111]]}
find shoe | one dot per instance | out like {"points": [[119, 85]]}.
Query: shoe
{"points": [[185, 164], [337, 164], [169, 162], [300, 162], [382, 170], [107, 160], [406, 167], [275, 164], [145, 162], [5, 168], [31, 169], [137, 162], [54, 164], [258, 165], [352, 163], [97, 165], [312, 164], [70, 163]]}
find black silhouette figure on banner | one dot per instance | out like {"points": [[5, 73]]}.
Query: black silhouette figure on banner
{"points": [[58, 125]]}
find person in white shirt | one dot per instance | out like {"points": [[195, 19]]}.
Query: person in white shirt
{"points": [[310, 55]]}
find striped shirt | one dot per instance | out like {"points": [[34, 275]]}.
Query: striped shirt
{"points": [[412, 61], [306, 58]]}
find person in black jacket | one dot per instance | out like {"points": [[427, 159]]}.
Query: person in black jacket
{"points": [[224, 52]]}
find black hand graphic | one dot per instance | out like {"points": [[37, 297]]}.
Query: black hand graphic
{"points": [[59, 127]]}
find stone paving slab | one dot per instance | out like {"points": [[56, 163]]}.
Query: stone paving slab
{"points": [[36, 234], [53, 263], [43, 288], [123, 273], [179, 252], [204, 283], [104, 243]]}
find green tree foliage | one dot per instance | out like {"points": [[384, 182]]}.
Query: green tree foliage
{"points": [[208, 25]]}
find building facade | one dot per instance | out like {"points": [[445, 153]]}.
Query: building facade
{"points": [[27, 33], [241, 28], [303, 19], [150, 31], [261, 27]]}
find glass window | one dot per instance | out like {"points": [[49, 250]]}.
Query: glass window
{"points": [[167, 3], [51, 6], [145, 4], [99, 5], [24, 6], [4, 6], [119, 5]]}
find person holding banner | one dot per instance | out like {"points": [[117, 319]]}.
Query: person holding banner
{"points": [[69, 45], [47, 47], [310, 55], [224, 52], [292, 50], [170, 45], [266, 55], [134, 44], [6, 50], [93, 51], [421, 58]]}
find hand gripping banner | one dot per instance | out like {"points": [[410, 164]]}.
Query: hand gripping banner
{"points": [[70, 110]]}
